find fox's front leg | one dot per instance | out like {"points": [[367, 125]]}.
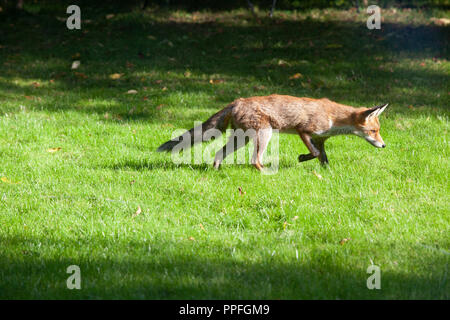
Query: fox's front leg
{"points": [[320, 144], [315, 146]]}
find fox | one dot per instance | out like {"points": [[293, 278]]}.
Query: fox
{"points": [[314, 120]]}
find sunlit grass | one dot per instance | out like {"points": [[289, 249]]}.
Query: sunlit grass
{"points": [[197, 235]]}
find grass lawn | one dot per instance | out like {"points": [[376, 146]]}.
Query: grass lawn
{"points": [[306, 232]]}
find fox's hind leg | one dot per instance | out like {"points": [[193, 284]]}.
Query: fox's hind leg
{"points": [[260, 141], [235, 142]]}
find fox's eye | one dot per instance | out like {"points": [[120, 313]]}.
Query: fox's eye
{"points": [[373, 131]]}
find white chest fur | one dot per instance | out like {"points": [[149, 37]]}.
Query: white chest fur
{"points": [[335, 131]]}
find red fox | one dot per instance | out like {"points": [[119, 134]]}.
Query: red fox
{"points": [[314, 120]]}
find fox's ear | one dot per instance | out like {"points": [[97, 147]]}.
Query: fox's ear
{"points": [[375, 111]]}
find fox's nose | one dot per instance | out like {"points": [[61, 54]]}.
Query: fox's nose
{"points": [[383, 145]]}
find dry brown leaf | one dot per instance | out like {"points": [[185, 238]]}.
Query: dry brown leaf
{"points": [[6, 180], [317, 175], [343, 241], [202, 227], [115, 76], [138, 212], [132, 91], [216, 81], [36, 84], [296, 76], [53, 150]]}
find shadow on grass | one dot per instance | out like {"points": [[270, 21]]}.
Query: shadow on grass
{"points": [[338, 59], [168, 164], [167, 269]]}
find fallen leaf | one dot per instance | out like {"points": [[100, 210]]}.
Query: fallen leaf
{"points": [[202, 227], [115, 76], [6, 180], [76, 55], [138, 212], [132, 91], [192, 238], [36, 84], [53, 150], [317, 175], [215, 81], [241, 192], [164, 89], [343, 241], [151, 37], [110, 16], [296, 76], [75, 64]]}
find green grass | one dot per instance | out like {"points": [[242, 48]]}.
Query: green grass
{"points": [[196, 236]]}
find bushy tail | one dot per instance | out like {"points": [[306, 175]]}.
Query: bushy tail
{"points": [[218, 121]]}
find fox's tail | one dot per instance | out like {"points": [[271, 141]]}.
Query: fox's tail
{"points": [[218, 121]]}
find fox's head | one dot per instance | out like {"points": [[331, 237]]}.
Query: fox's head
{"points": [[368, 126]]}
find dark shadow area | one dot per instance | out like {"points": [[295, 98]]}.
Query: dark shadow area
{"points": [[159, 55], [130, 270]]}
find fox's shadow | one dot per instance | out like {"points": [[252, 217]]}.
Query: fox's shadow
{"points": [[152, 164]]}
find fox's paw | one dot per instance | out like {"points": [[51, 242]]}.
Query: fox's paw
{"points": [[305, 157]]}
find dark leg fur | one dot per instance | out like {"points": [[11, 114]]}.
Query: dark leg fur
{"points": [[316, 148]]}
